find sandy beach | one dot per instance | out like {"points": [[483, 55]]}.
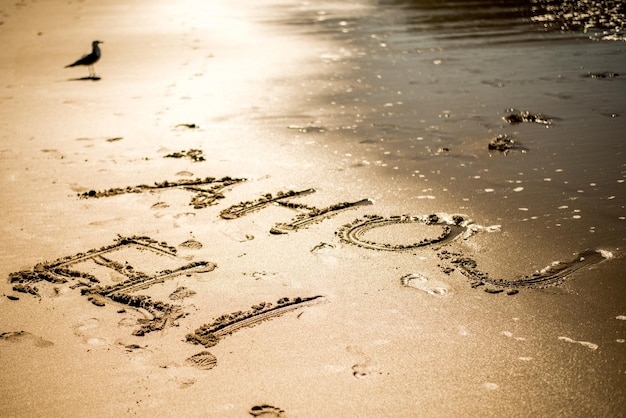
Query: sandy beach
{"points": [[334, 209]]}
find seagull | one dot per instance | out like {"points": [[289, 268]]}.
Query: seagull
{"points": [[90, 59]]}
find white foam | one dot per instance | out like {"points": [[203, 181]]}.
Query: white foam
{"points": [[548, 267], [449, 218], [606, 254], [510, 335], [587, 344], [491, 386], [472, 229]]}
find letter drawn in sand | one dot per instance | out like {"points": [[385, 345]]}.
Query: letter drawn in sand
{"points": [[552, 275], [210, 334], [315, 215], [105, 275], [207, 191], [310, 214], [367, 232], [244, 208], [358, 232]]}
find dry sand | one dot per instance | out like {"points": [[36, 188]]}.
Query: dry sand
{"points": [[392, 327]]}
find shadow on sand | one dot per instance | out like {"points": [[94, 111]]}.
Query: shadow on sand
{"points": [[90, 78]]}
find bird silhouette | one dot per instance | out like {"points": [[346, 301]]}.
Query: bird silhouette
{"points": [[89, 59]]}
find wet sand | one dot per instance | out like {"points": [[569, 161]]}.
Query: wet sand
{"points": [[292, 210]]}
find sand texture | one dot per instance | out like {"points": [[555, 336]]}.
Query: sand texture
{"points": [[304, 209]]}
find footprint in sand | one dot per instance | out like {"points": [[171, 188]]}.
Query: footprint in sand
{"points": [[235, 233], [88, 330], [267, 411], [184, 382], [323, 248], [365, 370], [203, 361], [190, 244], [365, 367], [326, 252], [25, 337], [127, 322], [431, 286], [181, 293], [160, 205]]}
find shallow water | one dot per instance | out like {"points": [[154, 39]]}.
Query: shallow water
{"points": [[418, 89]]}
